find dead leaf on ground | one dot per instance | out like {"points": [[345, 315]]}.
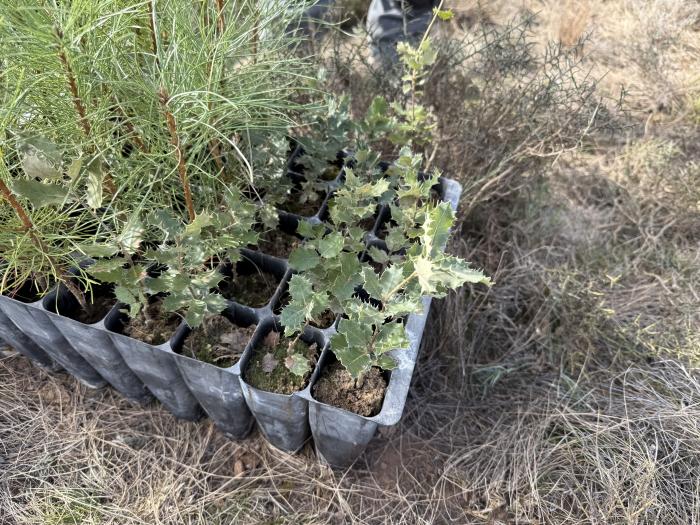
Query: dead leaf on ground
{"points": [[269, 363]]}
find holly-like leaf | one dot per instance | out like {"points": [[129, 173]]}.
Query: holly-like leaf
{"points": [[216, 303], [196, 310], [356, 333], [292, 318], [354, 359], [390, 281], [304, 304], [269, 216], [391, 336], [371, 283], [201, 221], [451, 273], [167, 222], [93, 195], [424, 270], [377, 255], [74, 169], [297, 364], [437, 276], [386, 362], [436, 228], [304, 258], [331, 245], [124, 295], [40, 194], [306, 229], [403, 305], [98, 250], [131, 236], [301, 289], [108, 270]]}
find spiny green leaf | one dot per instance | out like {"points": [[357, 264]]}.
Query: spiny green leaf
{"points": [[201, 221], [331, 245], [355, 360], [292, 318], [386, 362], [297, 364], [39, 193], [424, 270], [371, 283], [167, 222], [196, 310], [304, 258], [452, 272], [216, 303], [377, 255], [124, 295], [390, 279], [93, 195], [356, 333], [131, 236], [74, 169], [391, 336], [436, 228], [98, 250], [306, 229], [108, 270]]}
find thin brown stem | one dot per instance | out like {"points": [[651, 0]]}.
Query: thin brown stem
{"points": [[220, 21], [175, 141], [215, 150], [255, 38], [19, 210], [152, 27], [28, 226], [133, 134], [296, 339], [73, 86]]}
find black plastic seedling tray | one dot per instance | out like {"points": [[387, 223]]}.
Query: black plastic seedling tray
{"points": [[34, 322], [94, 345], [23, 344], [189, 388]]}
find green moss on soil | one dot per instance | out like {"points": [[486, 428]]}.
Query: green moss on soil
{"points": [[218, 341], [155, 328], [279, 379]]}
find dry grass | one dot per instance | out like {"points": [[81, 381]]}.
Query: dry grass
{"points": [[566, 393]]}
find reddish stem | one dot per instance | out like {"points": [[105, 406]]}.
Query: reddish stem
{"points": [[28, 227], [175, 141], [19, 210], [220, 22], [73, 86]]}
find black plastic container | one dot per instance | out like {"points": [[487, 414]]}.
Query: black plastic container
{"points": [[341, 436], [218, 389], [33, 320], [282, 418], [94, 344], [155, 366], [188, 387], [15, 338]]}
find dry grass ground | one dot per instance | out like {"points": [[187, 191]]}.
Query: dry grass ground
{"points": [[566, 393]]}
